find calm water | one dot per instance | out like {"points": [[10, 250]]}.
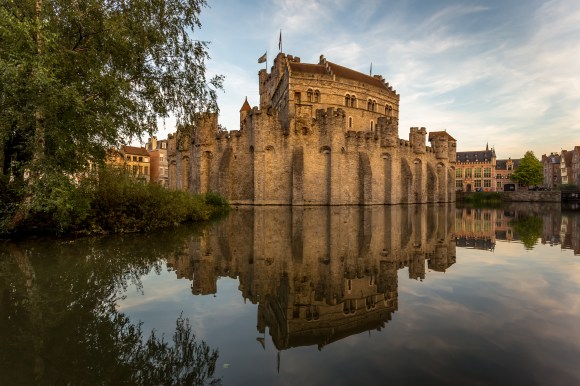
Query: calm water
{"points": [[303, 296]]}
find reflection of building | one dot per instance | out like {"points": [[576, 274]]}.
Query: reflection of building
{"points": [[482, 228], [479, 228], [562, 228], [319, 274], [323, 134]]}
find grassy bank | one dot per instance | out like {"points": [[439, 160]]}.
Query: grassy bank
{"points": [[110, 202], [480, 198]]}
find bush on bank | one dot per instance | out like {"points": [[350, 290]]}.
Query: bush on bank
{"points": [[477, 198], [110, 202]]}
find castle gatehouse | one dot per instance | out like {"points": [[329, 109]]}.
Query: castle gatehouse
{"points": [[323, 134]]}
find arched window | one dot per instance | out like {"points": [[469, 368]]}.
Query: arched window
{"points": [[350, 122], [387, 110], [316, 96], [309, 95], [369, 105], [353, 101], [372, 125], [374, 106], [347, 100]]}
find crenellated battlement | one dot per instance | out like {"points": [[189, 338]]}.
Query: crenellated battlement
{"points": [[322, 134]]}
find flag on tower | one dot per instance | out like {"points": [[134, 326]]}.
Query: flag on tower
{"points": [[262, 58]]}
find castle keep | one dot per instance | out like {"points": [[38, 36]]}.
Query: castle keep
{"points": [[322, 135]]}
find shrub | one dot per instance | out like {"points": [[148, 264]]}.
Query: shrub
{"points": [[112, 202]]}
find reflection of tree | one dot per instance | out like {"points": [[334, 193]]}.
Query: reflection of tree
{"points": [[59, 323], [529, 229]]}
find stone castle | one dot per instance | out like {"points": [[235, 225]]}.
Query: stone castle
{"points": [[322, 135]]}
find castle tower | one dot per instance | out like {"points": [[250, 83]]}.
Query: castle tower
{"points": [[417, 139]]}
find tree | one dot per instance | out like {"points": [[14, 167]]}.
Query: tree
{"points": [[529, 170], [77, 77]]}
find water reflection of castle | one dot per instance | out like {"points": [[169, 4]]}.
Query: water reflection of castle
{"points": [[319, 274], [480, 228]]}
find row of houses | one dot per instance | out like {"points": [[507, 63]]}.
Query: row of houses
{"points": [[482, 171], [562, 168], [147, 164]]}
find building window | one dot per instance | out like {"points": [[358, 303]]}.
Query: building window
{"points": [[477, 173], [458, 173], [297, 97], [477, 183], [128, 158], [316, 96], [487, 183], [487, 172], [347, 100], [146, 169], [458, 184], [468, 173], [309, 95], [135, 168], [353, 101], [140, 169], [372, 125], [134, 158], [350, 122], [369, 105], [163, 145], [161, 158]]}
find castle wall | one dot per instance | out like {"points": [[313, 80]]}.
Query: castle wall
{"points": [[292, 152]]}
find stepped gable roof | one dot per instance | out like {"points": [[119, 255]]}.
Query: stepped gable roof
{"points": [[475, 156], [567, 158], [435, 134], [501, 164], [339, 71], [246, 106], [135, 150]]}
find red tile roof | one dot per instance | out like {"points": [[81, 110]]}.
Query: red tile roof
{"points": [[434, 134], [135, 150], [339, 71]]}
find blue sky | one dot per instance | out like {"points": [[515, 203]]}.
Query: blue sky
{"points": [[503, 72]]}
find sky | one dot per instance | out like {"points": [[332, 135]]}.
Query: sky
{"points": [[503, 73]]}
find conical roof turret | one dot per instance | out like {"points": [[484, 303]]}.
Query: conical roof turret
{"points": [[246, 106]]}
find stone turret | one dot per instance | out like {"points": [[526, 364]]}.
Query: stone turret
{"points": [[417, 138], [389, 130], [444, 145]]}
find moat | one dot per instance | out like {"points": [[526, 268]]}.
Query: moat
{"points": [[406, 294]]}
